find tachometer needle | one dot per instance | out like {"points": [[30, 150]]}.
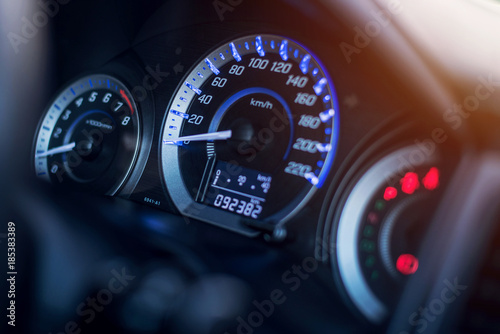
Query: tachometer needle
{"points": [[221, 135], [56, 150]]}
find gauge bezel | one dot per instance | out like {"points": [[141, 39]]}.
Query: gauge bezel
{"points": [[170, 163]]}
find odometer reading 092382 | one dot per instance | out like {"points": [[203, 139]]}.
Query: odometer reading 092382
{"points": [[250, 133]]}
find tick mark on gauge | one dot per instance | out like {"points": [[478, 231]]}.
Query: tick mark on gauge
{"points": [[325, 116], [179, 113], [212, 67], [193, 88], [324, 147], [235, 53], [284, 50], [259, 47], [320, 86], [313, 179], [304, 63]]}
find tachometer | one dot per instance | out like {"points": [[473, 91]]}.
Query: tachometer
{"points": [[250, 133], [89, 136]]}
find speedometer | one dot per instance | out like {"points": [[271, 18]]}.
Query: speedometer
{"points": [[250, 133]]}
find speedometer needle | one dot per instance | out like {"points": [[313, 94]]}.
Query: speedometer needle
{"points": [[56, 150], [221, 135]]}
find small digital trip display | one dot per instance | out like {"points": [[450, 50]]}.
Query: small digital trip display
{"points": [[238, 189]]}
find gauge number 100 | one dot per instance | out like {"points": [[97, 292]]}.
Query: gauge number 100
{"points": [[241, 207]]}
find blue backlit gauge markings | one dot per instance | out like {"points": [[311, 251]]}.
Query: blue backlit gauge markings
{"points": [[262, 109], [89, 136]]}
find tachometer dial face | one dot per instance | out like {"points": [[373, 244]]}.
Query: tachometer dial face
{"points": [[89, 136], [250, 133]]}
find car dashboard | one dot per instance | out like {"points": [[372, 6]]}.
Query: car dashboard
{"points": [[236, 166]]}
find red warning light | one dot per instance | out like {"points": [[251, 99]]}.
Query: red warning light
{"points": [[431, 180], [410, 183], [407, 264], [390, 193]]}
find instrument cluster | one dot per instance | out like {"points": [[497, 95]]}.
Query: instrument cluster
{"points": [[249, 135], [255, 128]]}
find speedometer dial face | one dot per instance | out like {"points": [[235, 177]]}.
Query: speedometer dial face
{"points": [[89, 136], [250, 133]]}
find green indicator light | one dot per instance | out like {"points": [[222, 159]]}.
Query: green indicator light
{"points": [[370, 261], [367, 246], [379, 205], [368, 231], [375, 275]]}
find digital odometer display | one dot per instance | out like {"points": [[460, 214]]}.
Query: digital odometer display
{"points": [[243, 193], [261, 104]]}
